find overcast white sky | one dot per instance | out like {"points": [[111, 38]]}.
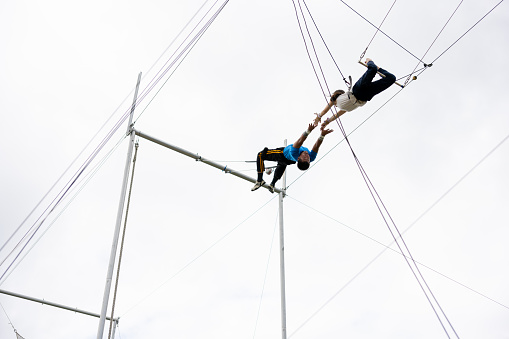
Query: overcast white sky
{"points": [[201, 255]]}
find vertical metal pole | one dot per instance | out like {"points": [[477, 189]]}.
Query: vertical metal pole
{"points": [[115, 324], [120, 212], [282, 258]]}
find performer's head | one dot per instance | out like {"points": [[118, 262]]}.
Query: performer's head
{"points": [[303, 161], [336, 94]]}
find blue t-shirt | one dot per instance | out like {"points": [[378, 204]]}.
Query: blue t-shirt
{"points": [[292, 153]]}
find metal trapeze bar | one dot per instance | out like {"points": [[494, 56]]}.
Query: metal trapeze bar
{"points": [[365, 65], [200, 158]]}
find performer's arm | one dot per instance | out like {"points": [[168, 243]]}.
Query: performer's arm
{"points": [[325, 110], [332, 102], [334, 117], [303, 137], [320, 139]]}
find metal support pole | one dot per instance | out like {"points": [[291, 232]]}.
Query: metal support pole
{"points": [[201, 159], [120, 212], [45, 302], [115, 324], [282, 258]]}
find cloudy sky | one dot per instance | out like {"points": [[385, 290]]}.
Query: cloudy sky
{"points": [[200, 257]]}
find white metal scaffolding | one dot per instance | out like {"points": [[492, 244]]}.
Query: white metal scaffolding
{"points": [[132, 133]]}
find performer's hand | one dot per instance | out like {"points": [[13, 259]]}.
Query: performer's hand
{"points": [[311, 126], [326, 131], [317, 119]]}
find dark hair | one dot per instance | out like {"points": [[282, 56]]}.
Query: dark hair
{"points": [[336, 94], [303, 165]]}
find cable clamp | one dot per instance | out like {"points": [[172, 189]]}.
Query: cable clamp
{"points": [[348, 82]]}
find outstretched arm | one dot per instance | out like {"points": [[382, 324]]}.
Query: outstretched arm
{"points": [[333, 101], [334, 117], [325, 110], [319, 141], [304, 135]]}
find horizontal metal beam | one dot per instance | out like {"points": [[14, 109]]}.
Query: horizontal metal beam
{"points": [[200, 158], [17, 295]]}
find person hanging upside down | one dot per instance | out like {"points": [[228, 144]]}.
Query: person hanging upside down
{"points": [[363, 91], [289, 155]]}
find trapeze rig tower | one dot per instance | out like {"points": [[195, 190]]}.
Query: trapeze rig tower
{"points": [[132, 133]]}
